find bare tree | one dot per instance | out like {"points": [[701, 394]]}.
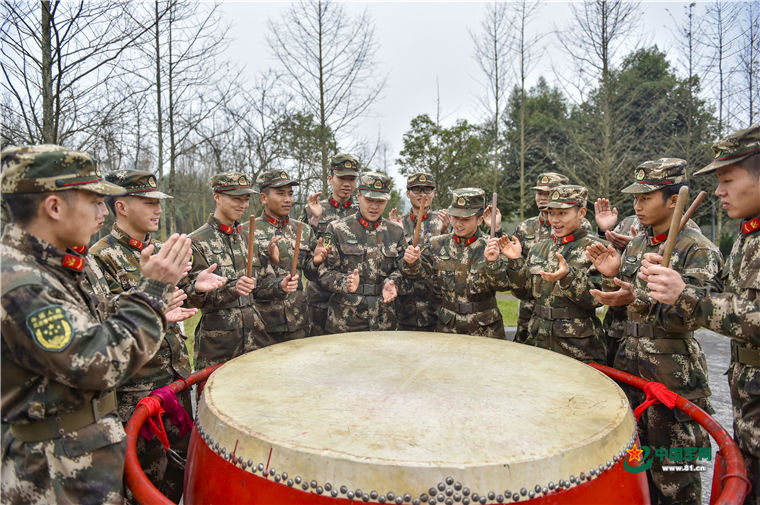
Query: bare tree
{"points": [[62, 65], [492, 48], [749, 62], [329, 59]]}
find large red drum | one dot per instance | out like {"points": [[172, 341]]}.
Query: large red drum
{"points": [[408, 417]]}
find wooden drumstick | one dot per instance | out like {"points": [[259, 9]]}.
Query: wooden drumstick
{"points": [[675, 223], [692, 209], [294, 265], [419, 221], [251, 230], [493, 215]]}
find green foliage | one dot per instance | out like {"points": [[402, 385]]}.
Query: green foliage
{"points": [[508, 308]]}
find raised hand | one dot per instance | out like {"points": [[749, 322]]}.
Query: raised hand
{"points": [[273, 251], [665, 284], [312, 202], [179, 314], [605, 259], [393, 216], [619, 240], [510, 247], [320, 252], [487, 217], [443, 215], [560, 273], [209, 281], [492, 250], [170, 263], [352, 281], [245, 285], [622, 296], [411, 254], [290, 283], [178, 298], [606, 219], [389, 291]]}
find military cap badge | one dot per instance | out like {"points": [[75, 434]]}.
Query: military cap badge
{"points": [[555, 195], [243, 181], [544, 180], [423, 178], [347, 164], [283, 175], [640, 175], [152, 182], [378, 185], [461, 201]]}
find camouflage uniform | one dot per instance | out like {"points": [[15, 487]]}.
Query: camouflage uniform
{"points": [[417, 310], [375, 249], [674, 358], [468, 282], [61, 359], [230, 324], [285, 318], [343, 165], [564, 316], [735, 312], [118, 255]]}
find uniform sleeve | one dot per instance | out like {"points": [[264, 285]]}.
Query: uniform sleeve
{"points": [[518, 278], [331, 277], [213, 299], [396, 276], [110, 274], [578, 282], [46, 331], [496, 273], [306, 259], [520, 235]]}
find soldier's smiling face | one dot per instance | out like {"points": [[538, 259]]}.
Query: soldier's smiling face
{"points": [[466, 226], [371, 208], [739, 190], [542, 198], [278, 201], [652, 209], [565, 222], [343, 186], [230, 209], [141, 215]]}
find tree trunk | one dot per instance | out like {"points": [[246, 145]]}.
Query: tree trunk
{"points": [[522, 113], [172, 146], [159, 116], [48, 130], [322, 120]]}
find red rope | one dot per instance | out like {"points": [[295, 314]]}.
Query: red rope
{"points": [[155, 409], [656, 393]]}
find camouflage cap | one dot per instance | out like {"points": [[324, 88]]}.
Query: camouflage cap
{"points": [[344, 164], [566, 196], [274, 179], [466, 202], [375, 185], [547, 181], [420, 179], [232, 183], [734, 148], [48, 167], [137, 183], [657, 174]]}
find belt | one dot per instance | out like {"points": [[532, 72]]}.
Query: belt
{"points": [[745, 355], [469, 307], [239, 302], [553, 313], [369, 290], [55, 427], [636, 329]]}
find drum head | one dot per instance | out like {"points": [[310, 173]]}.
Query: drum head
{"points": [[402, 412]]}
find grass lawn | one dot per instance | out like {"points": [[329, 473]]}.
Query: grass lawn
{"points": [[190, 325]]}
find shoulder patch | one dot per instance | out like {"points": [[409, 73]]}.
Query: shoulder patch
{"points": [[130, 268], [327, 239], [50, 327]]}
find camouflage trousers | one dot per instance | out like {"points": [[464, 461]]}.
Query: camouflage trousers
{"points": [[561, 336], [524, 313], [661, 427], [82, 467], [318, 316], [351, 312], [409, 327], [272, 337], [469, 325], [166, 475], [744, 381]]}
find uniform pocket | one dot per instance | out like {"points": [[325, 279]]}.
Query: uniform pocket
{"points": [[488, 317]]}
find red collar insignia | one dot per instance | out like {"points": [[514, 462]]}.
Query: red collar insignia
{"points": [[662, 237], [137, 244], [229, 230], [542, 222], [80, 249], [367, 224], [465, 241], [414, 218], [751, 226], [335, 203], [564, 240], [277, 222], [73, 262]]}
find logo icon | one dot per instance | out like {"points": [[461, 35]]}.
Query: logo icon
{"points": [[378, 185], [423, 178], [152, 182], [555, 195], [461, 201], [243, 181], [640, 175], [544, 180], [347, 164]]}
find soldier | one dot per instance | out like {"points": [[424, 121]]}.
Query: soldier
{"points": [[230, 323], [118, 255], [558, 276], [735, 312], [361, 270], [60, 359], [344, 170], [288, 318], [467, 267], [418, 310], [532, 231], [663, 353]]}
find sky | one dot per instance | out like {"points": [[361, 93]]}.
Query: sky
{"points": [[425, 49]]}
